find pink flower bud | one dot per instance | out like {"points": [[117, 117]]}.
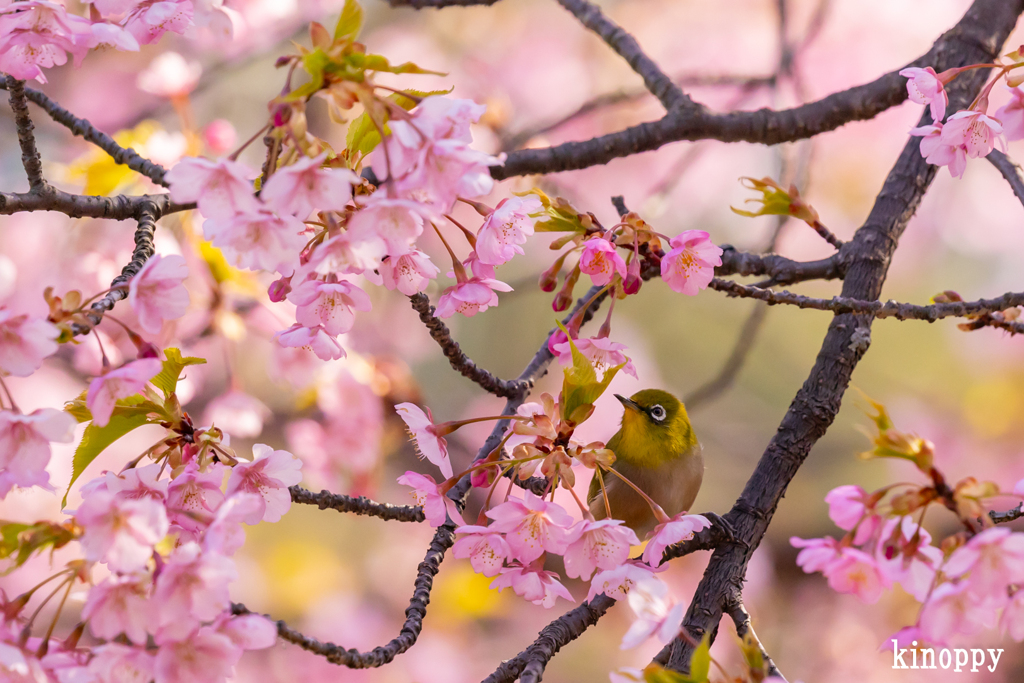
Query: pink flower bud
{"points": [[220, 136], [279, 289]]}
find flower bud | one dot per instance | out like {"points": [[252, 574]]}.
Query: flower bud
{"points": [[279, 289]]}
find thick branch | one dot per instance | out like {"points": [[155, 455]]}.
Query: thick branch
{"points": [[779, 269], [657, 81], [977, 39], [82, 128], [357, 505], [458, 359], [26, 138], [119, 207]]}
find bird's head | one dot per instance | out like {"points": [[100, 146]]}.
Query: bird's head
{"points": [[655, 425]]}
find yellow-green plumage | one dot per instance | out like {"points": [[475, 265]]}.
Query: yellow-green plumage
{"points": [[661, 456]]}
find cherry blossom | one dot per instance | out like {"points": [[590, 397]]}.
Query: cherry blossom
{"points": [[1012, 619], [25, 446], [1011, 115], [601, 261], [192, 587], [24, 343], [225, 534], [392, 224], [120, 604], [114, 8], [157, 293], [269, 474], [617, 583], [258, 240], [38, 34], [135, 483], [602, 353], [690, 265], [533, 584], [532, 526], [429, 445], [486, 549], [193, 496], [127, 380], [506, 228], [991, 560], [237, 413], [112, 36], [409, 272], [854, 571], [816, 554], [248, 631], [221, 188], [846, 506], [937, 150], [437, 507], [331, 304], [170, 76], [220, 136], [117, 663], [655, 615], [952, 610], [603, 544], [473, 296], [304, 186], [314, 339], [151, 19], [924, 87], [682, 527], [975, 132], [121, 533], [205, 656]]}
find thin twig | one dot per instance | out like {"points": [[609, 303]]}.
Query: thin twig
{"points": [[357, 505], [741, 618], [26, 138], [1011, 171], [1008, 516]]}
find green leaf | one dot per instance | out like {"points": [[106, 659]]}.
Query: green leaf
{"points": [[96, 439], [167, 379], [580, 386], [363, 136], [315, 63], [77, 408], [349, 23], [22, 540], [700, 663], [381, 63]]}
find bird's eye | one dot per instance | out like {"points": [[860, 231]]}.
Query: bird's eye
{"points": [[658, 413]]}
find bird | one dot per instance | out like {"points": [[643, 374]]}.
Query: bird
{"points": [[655, 449]]}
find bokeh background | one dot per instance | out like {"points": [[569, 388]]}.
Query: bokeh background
{"points": [[348, 579]]}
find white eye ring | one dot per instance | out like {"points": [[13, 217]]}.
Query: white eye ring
{"points": [[658, 413]]}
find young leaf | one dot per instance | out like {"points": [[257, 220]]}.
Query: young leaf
{"points": [[167, 379], [700, 663], [349, 23], [22, 540], [96, 439]]}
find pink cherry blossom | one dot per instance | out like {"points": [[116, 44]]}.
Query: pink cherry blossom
{"points": [[331, 304], [121, 533], [342, 254], [304, 186], [854, 571], [237, 413], [37, 34], [975, 132], [127, 380], [924, 87], [170, 76], [314, 339], [953, 610], [904, 638], [816, 554], [194, 496], [220, 136], [617, 583], [420, 426], [119, 604], [1011, 115], [248, 631], [473, 264], [1012, 619], [393, 224], [222, 188], [846, 505], [258, 240], [225, 534], [150, 19], [137, 482], [115, 8], [532, 526], [602, 352], [486, 549], [437, 507], [269, 474], [601, 261], [157, 292], [205, 656], [24, 343], [682, 527], [442, 118], [533, 584], [25, 446], [112, 36], [473, 296], [991, 560], [192, 587], [603, 544], [655, 616], [937, 150], [507, 227], [409, 273], [117, 663], [690, 265]]}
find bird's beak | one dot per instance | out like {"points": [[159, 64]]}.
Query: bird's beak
{"points": [[628, 403]]}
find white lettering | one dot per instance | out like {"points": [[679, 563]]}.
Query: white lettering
{"points": [[977, 659], [959, 665], [945, 658], [897, 657], [995, 654]]}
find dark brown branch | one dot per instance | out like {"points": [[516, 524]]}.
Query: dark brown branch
{"points": [[657, 81], [779, 269], [763, 126], [379, 656], [889, 309], [1011, 171], [457, 358], [1008, 516], [82, 128], [144, 234], [741, 619], [357, 505], [976, 39], [714, 388], [119, 207], [997, 320], [26, 138]]}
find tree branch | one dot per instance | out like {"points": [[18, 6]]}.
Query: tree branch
{"points": [[1008, 516], [977, 39], [457, 358], [29, 154], [357, 505], [1011, 171], [741, 618], [119, 208]]}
